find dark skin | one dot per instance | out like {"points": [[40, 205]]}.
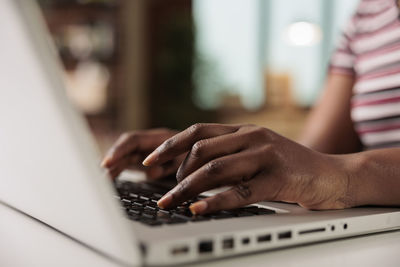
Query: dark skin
{"points": [[260, 165]]}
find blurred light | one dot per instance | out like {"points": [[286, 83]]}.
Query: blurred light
{"points": [[303, 34], [87, 86], [78, 41]]}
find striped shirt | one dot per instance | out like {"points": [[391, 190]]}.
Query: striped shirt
{"points": [[369, 50]]}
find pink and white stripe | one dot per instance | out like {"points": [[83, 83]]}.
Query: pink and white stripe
{"points": [[373, 139], [370, 51], [378, 61], [373, 112]]}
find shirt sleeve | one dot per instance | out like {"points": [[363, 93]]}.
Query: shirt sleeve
{"points": [[343, 58]]}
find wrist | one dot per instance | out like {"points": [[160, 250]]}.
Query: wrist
{"points": [[340, 178], [358, 169]]}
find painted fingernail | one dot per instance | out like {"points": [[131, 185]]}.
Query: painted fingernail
{"points": [[165, 201], [150, 158], [199, 207], [104, 162]]}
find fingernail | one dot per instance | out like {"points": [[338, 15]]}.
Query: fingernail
{"points": [[198, 207], [165, 201], [104, 162], [150, 159]]}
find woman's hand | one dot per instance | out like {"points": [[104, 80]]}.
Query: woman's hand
{"points": [[132, 147], [257, 163]]}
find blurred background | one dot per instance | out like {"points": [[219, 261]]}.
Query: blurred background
{"points": [[136, 64]]}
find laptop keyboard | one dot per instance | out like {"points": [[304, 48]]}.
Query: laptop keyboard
{"points": [[139, 200]]}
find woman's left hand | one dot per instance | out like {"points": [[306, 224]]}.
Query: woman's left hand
{"points": [[257, 163]]}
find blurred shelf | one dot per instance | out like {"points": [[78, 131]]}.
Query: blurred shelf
{"points": [[288, 122]]}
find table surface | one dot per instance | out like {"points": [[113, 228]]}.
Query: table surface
{"points": [[25, 242]]}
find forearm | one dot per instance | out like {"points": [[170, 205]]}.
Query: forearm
{"points": [[373, 177], [329, 128]]}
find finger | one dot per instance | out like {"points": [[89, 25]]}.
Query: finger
{"points": [[227, 170], [133, 159], [160, 171], [123, 164], [115, 172], [206, 150], [131, 142], [238, 196], [183, 141]]}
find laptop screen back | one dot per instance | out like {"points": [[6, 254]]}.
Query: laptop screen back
{"points": [[48, 164]]}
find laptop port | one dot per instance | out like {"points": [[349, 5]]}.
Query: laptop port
{"points": [[345, 226], [245, 241], [285, 235], [228, 243], [311, 231], [180, 250], [205, 246], [264, 238]]}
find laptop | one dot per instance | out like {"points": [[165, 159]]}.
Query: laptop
{"points": [[50, 172]]}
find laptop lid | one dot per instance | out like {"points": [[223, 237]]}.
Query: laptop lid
{"points": [[49, 168]]}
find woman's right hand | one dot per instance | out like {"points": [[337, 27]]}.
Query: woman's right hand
{"points": [[132, 148]]}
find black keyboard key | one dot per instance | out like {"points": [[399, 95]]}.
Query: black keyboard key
{"points": [[133, 195], [154, 201], [137, 204], [152, 204], [186, 213], [150, 208], [162, 214], [148, 215], [156, 196], [140, 202], [134, 217], [125, 200], [134, 212], [144, 198]]}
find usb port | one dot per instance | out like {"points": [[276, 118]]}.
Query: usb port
{"points": [[181, 250], [264, 238], [228, 243], [206, 246], [285, 235]]}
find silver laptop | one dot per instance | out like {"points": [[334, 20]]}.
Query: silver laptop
{"points": [[49, 170]]}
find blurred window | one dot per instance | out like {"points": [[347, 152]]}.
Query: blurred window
{"points": [[239, 42]]}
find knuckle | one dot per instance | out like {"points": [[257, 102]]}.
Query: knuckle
{"points": [[268, 153], [218, 198], [129, 136], [243, 191], [217, 201], [168, 144], [214, 167], [267, 149], [179, 174], [249, 125], [259, 133], [196, 129], [125, 136], [198, 149]]}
